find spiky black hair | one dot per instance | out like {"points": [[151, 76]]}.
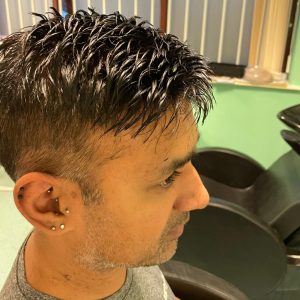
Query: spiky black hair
{"points": [[69, 74]]}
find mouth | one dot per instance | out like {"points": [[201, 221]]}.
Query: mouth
{"points": [[177, 231]]}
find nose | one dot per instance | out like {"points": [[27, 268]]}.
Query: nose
{"points": [[192, 194]]}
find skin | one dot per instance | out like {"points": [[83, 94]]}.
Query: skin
{"points": [[133, 224]]}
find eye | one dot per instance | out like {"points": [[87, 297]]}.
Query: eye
{"points": [[168, 182]]}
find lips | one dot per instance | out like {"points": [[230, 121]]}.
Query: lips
{"points": [[177, 231]]}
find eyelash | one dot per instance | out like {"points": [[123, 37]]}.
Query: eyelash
{"points": [[170, 179]]}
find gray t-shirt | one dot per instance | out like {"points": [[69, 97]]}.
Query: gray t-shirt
{"points": [[141, 283]]}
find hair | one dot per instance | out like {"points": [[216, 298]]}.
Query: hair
{"points": [[67, 76]]}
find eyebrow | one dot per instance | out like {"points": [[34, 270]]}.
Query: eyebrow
{"points": [[179, 163]]}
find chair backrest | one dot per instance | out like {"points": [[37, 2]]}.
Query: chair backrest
{"points": [[191, 283], [228, 175], [277, 194], [292, 138], [229, 167], [230, 242], [291, 117]]}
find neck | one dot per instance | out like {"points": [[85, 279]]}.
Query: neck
{"points": [[51, 269]]}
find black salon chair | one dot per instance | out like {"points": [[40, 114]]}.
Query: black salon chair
{"points": [[249, 234], [292, 138], [283, 177], [228, 175], [230, 242], [191, 283], [291, 117]]}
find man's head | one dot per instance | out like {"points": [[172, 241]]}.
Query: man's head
{"points": [[95, 107]]}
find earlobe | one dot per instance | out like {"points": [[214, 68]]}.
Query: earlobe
{"points": [[40, 199]]}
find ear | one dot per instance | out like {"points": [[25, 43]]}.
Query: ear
{"points": [[49, 203]]}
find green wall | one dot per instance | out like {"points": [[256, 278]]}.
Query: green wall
{"points": [[244, 118]]}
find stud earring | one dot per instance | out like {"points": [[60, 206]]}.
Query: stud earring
{"points": [[50, 190], [67, 211], [53, 228], [56, 200], [62, 226]]}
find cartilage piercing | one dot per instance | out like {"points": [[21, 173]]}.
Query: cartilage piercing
{"points": [[62, 226], [20, 196], [53, 228], [67, 211], [50, 190]]}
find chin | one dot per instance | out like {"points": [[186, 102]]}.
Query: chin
{"points": [[160, 256], [167, 252], [172, 249]]}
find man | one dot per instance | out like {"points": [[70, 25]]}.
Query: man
{"points": [[98, 125]]}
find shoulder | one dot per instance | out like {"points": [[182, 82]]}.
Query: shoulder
{"points": [[10, 290], [151, 283], [153, 275]]}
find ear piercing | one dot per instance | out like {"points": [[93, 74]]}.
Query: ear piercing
{"points": [[57, 213], [20, 196], [67, 211], [53, 228], [61, 226]]}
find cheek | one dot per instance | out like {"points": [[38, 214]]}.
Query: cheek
{"points": [[140, 214], [145, 222], [153, 225], [153, 217]]}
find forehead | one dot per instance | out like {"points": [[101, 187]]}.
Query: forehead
{"points": [[175, 142]]}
